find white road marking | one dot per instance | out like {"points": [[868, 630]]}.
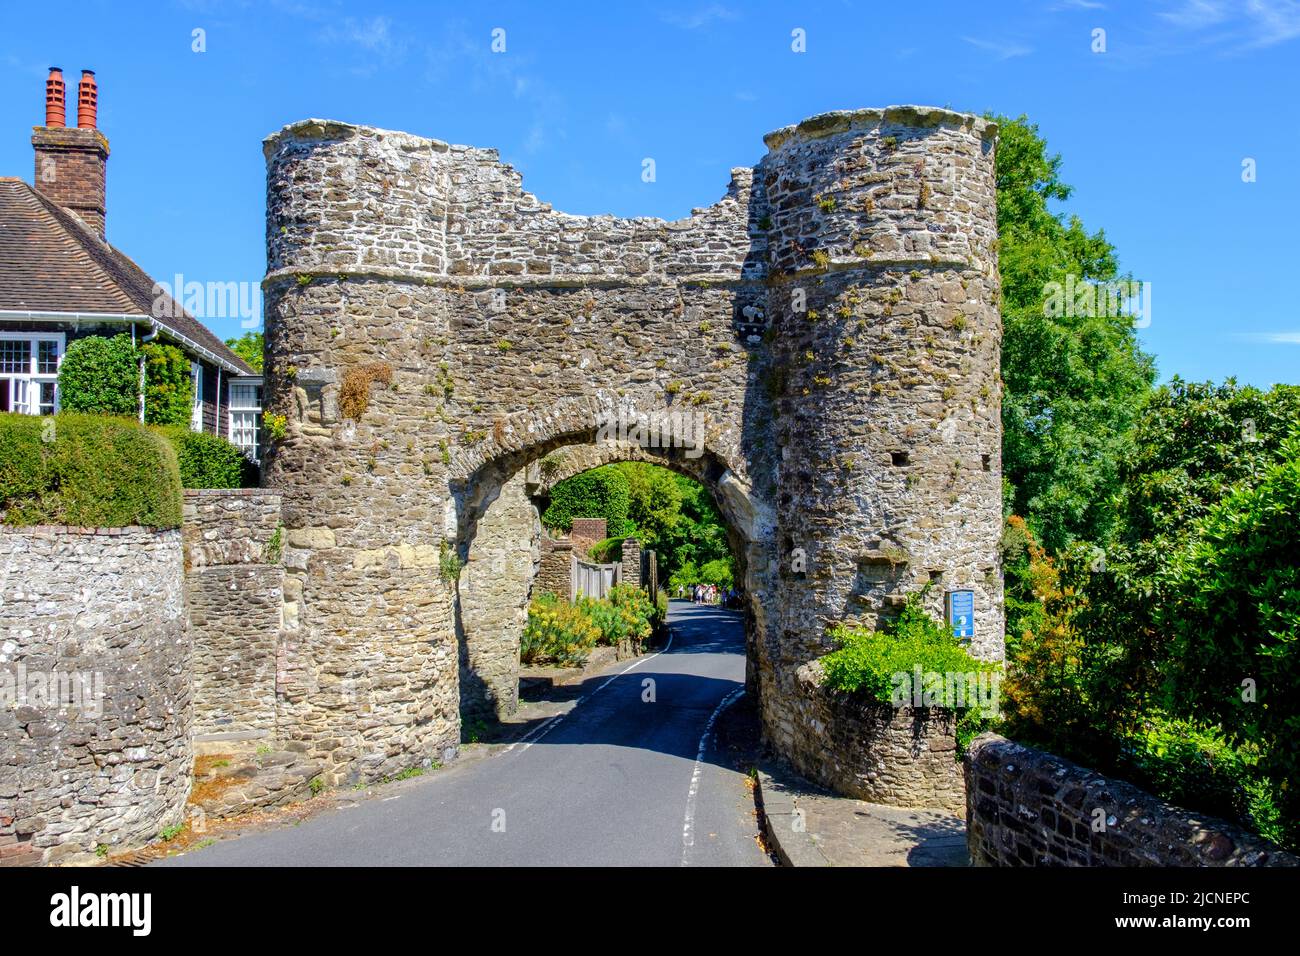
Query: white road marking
{"points": [[688, 827], [548, 725]]}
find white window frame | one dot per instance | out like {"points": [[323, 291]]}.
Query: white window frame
{"points": [[32, 380], [196, 400], [243, 410]]}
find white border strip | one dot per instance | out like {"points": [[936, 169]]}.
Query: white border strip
{"points": [[688, 826]]}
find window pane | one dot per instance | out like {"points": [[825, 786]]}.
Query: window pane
{"points": [[16, 356], [47, 358], [243, 396], [46, 406], [243, 432]]}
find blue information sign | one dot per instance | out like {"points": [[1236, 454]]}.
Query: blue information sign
{"points": [[961, 613]]}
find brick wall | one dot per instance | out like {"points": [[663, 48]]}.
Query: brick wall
{"points": [[585, 533]]}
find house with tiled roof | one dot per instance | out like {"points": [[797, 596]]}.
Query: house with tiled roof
{"points": [[61, 280]]}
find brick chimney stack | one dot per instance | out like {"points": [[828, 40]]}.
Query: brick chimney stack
{"points": [[70, 163]]}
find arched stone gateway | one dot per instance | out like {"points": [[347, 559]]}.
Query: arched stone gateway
{"points": [[820, 347], [504, 552]]}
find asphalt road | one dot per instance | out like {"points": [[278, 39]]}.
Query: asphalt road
{"points": [[616, 780]]}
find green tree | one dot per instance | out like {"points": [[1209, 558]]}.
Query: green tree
{"points": [[102, 375], [654, 502], [699, 534], [249, 348], [1074, 384], [1193, 443]]}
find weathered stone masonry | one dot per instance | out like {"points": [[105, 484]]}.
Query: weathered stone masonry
{"points": [[110, 767], [234, 588], [833, 318], [1025, 807]]}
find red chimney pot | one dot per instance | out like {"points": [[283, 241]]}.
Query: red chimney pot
{"points": [[56, 113], [87, 100]]}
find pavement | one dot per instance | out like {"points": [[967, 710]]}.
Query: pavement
{"points": [[810, 827], [631, 773]]}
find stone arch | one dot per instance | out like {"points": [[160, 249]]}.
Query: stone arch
{"points": [[495, 584]]}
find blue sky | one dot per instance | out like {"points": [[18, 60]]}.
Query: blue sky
{"points": [[1153, 131]]}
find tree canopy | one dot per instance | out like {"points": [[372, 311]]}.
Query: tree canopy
{"points": [[1075, 379]]}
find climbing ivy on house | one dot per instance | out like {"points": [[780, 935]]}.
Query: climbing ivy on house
{"points": [[168, 389]]}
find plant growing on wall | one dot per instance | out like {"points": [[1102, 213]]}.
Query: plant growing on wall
{"points": [[168, 388], [100, 374], [354, 393]]}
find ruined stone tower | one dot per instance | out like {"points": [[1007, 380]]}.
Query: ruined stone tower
{"points": [[833, 320]]}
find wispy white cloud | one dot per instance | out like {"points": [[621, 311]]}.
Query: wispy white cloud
{"points": [[370, 35], [1001, 49], [466, 53], [1196, 14], [1077, 5], [1272, 338], [701, 17], [1234, 26]]}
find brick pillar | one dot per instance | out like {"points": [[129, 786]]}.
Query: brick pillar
{"points": [[585, 533]]}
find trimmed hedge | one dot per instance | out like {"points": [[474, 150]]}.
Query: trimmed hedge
{"points": [[86, 470], [599, 493], [100, 374], [208, 461]]}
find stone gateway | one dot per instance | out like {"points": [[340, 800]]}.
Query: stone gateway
{"points": [[438, 340]]}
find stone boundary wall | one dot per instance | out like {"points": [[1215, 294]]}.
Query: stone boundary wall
{"points": [[1026, 807], [234, 586], [903, 757], [95, 677]]}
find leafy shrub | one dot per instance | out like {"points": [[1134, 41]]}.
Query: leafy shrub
{"points": [[1050, 695], [209, 461], [599, 493], [1195, 765], [1234, 621], [866, 661], [661, 610], [168, 388], [609, 551], [557, 632], [100, 374], [624, 615], [87, 470]]}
